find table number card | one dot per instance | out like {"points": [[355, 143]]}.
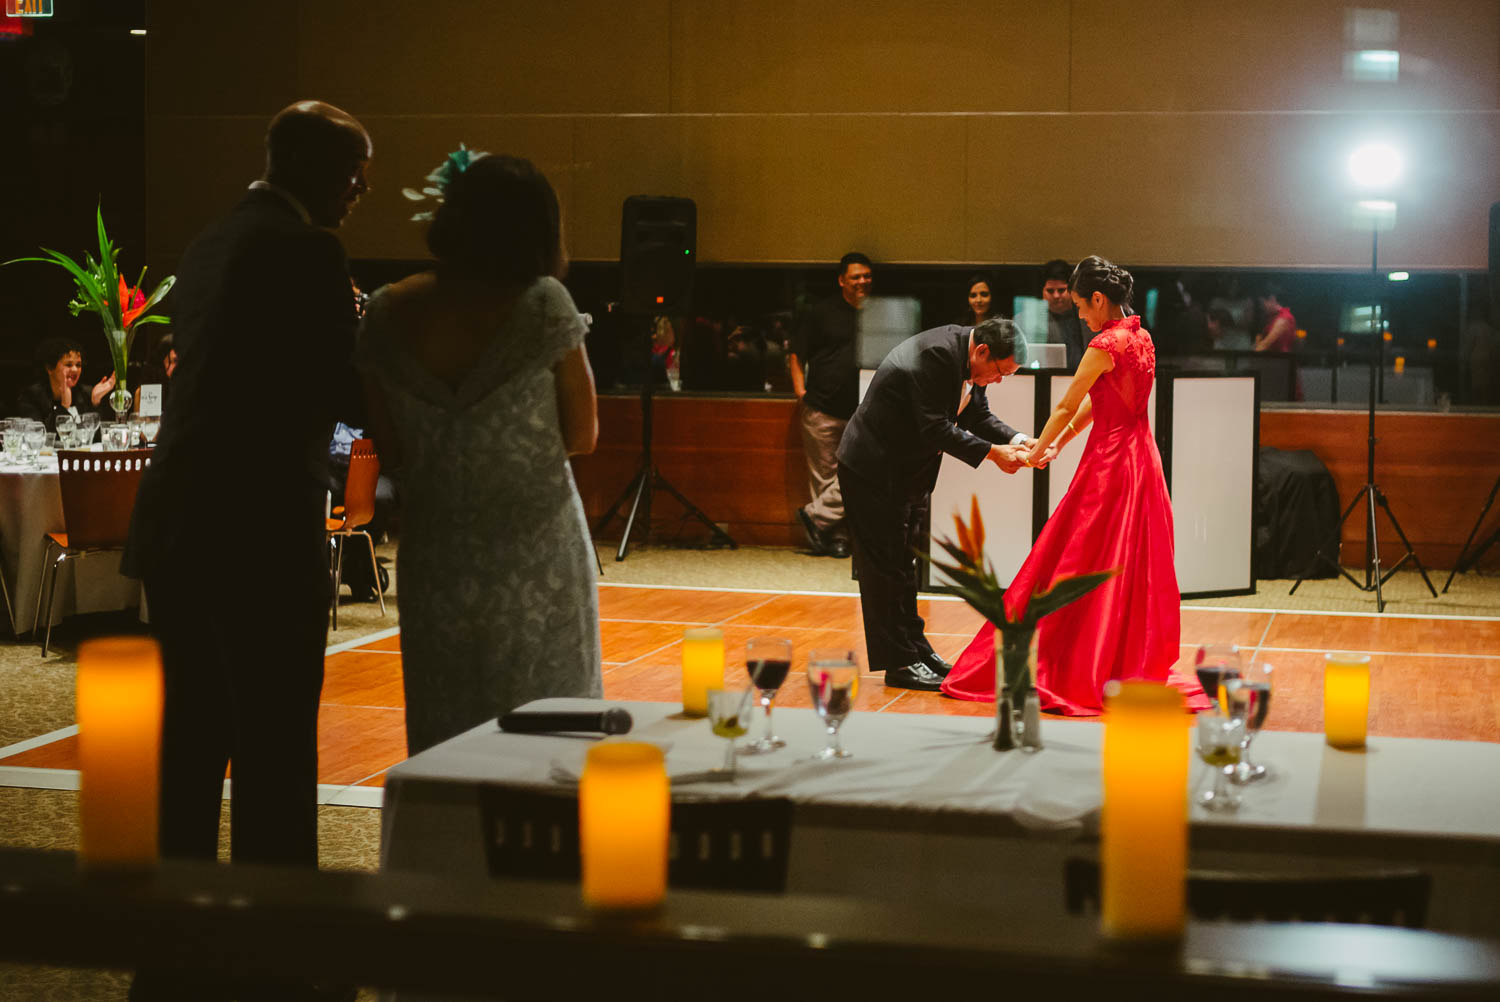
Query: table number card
{"points": [[150, 400]]}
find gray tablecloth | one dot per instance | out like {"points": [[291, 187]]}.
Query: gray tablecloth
{"points": [[926, 806], [30, 507]]}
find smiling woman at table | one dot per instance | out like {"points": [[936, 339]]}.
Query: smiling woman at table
{"points": [[58, 390], [480, 390]]}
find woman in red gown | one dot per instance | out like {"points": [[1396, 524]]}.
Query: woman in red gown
{"points": [[1116, 513]]}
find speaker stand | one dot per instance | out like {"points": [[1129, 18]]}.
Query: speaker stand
{"points": [[648, 480], [1468, 561]]}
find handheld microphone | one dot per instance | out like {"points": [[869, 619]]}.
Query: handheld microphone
{"points": [[612, 721]]}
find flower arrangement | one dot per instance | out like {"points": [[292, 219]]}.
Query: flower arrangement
{"points": [[101, 289], [974, 581], [442, 175]]}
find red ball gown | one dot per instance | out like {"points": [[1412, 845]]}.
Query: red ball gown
{"points": [[1116, 513]]}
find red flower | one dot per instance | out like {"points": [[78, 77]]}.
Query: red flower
{"points": [[137, 300]]}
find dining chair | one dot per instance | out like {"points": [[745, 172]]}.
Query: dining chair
{"points": [[357, 510], [738, 845], [98, 494], [1394, 897]]}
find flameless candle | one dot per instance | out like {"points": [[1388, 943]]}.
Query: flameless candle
{"points": [[1143, 825], [1346, 699], [702, 668], [624, 808], [119, 704]]}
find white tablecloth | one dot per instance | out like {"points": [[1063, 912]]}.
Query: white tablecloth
{"points": [[926, 806], [30, 507]]}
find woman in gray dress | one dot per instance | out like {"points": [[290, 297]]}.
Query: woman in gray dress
{"points": [[479, 392]]}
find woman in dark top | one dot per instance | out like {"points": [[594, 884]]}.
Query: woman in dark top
{"points": [[981, 301], [58, 390]]}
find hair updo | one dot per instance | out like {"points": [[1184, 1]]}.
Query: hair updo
{"points": [[499, 220], [1094, 274]]}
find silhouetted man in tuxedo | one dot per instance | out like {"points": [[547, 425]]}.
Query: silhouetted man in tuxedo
{"points": [[926, 399], [228, 531]]}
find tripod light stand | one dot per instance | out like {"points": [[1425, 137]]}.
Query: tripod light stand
{"points": [[1374, 166]]}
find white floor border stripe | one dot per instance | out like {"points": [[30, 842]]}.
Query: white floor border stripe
{"points": [[38, 741]]}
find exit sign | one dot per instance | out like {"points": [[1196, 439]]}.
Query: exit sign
{"points": [[28, 8]]}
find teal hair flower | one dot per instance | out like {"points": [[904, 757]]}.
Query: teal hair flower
{"points": [[436, 189]]}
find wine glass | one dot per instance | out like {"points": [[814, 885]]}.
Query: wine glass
{"points": [[1219, 741], [65, 426], [1215, 665], [88, 423], [767, 659], [729, 716], [833, 679], [1249, 700]]}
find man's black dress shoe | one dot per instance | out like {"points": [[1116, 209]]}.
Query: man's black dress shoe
{"points": [[916, 675], [937, 664], [815, 538], [839, 547]]}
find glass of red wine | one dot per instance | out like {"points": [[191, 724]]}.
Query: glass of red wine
{"points": [[767, 659], [1217, 664]]}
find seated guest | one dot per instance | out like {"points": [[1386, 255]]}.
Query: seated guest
{"points": [[57, 390], [981, 301], [480, 390], [1280, 330], [1220, 324]]}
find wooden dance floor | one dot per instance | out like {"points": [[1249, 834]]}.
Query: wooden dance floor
{"points": [[1429, 678]]}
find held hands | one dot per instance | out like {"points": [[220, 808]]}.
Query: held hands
{"points": [[1009, 458], [1040, 458]]}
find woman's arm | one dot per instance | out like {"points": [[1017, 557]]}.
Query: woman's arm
{"points": [[1278, 330], [577, 406], [1074, 412], [381, 429]]}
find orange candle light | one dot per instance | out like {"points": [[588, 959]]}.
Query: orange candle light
{"points": [[702, 668], [624, 810], [1143, 826], [1346, 699], [119, 707]]}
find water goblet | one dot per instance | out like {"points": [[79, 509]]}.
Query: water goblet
{"points": [[1249, 699], [768, 660], [30, 440], [1216, 664], [833, 679], [65, 425], [116, 436], [729, 716], [88, 423], [1219, 742]]}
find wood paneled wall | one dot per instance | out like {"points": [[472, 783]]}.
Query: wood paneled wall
{"points": [[1154, 131], [740, 460]]}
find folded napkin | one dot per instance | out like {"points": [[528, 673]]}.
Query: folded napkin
{"points": [[567, 767]]}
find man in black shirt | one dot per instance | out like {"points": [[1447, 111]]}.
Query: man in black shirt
{"points": [[826, 382], [1063, 325]]}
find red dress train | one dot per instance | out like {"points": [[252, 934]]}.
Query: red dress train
{"points": [[1116, 513]]}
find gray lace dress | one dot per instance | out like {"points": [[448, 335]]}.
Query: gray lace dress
{"points": [[496, 584]]}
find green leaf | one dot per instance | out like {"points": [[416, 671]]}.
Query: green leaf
{"points": [[108, 274], [155, 318], [162, 288], [1063, 591], [87, 284]]}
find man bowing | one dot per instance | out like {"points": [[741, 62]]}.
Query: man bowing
{"points": [[927, 398]]}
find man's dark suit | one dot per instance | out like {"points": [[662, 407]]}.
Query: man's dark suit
{"points": [[228, 530], [888, 463]]}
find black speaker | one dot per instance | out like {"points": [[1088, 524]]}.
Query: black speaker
{"points": [[658, 247]]}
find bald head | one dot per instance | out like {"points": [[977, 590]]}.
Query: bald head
{"points": [[318, 153]]}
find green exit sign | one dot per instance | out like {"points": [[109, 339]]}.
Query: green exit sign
{"points": [[28, 8]]}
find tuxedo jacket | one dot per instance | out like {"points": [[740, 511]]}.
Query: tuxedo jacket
{"points": [[264, 324], [910, 415]]}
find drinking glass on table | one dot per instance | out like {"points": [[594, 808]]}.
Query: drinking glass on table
{"points": [[30, 441], [767, 659], [1219, 741], [116, 436], [87, 425], [1249, 700], [1215, 665], [833, 679], [729, 716], [65, 425]]}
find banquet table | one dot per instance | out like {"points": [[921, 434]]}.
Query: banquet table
{"points": [[31, 507], [926, 807]]}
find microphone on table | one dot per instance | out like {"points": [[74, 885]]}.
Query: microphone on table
{"points": [[612, 721]]}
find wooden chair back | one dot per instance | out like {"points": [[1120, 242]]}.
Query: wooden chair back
{"points": [[1396, 897], [359, 486], [720, 845], [98, 495]]}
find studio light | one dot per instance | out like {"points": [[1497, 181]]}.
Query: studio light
{"points": [[1399, 276], [1375, 165]]}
